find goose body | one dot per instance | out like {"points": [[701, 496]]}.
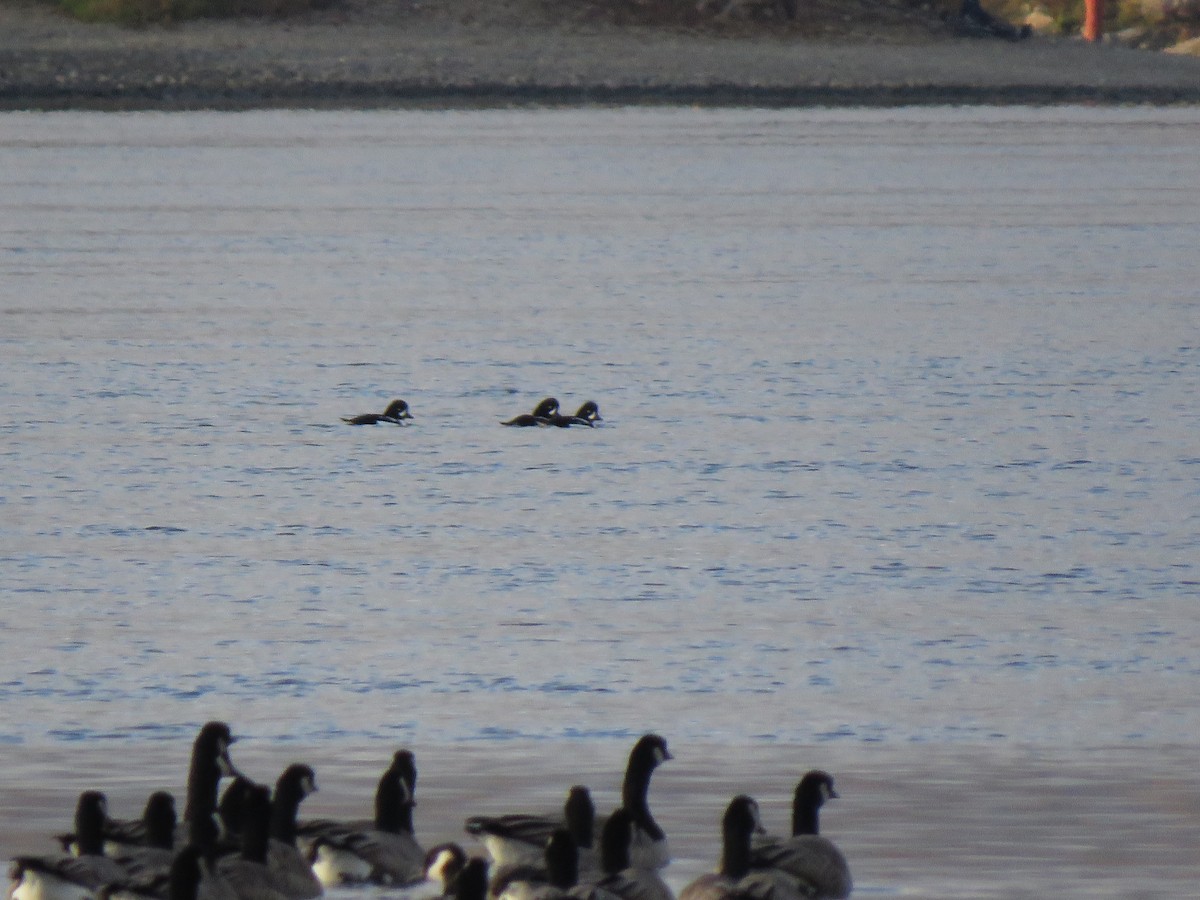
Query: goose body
{"points": [[290, 871], [807, 859], [620, 879], [71, 877], [155, 829], [472, 882], [382, 850], [734, 879], [191, 877], [648, 848], [520, 838], [210, 763], [551, 880], [247, 873]]}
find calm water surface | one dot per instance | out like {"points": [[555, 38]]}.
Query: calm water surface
{"points": [[899, 473]]}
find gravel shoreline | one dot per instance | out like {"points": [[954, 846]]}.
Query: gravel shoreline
{"points": [[399, 54]]}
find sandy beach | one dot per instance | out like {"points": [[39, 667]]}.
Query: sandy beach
{"points": [[384, 53]]}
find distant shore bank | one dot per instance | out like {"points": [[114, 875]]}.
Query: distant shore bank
{"points": [[48, 61]]}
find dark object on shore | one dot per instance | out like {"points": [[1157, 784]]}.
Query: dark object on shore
{"points": [[974, 21], [395, 414]]}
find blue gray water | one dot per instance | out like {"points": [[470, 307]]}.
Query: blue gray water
{"points": [[899, 468]]}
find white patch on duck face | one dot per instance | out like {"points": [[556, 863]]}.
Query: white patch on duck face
{"points": [[310, 785], [334, 867], [43, 886]]}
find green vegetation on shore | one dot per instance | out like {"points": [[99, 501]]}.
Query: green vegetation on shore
{"points": [[1067, 15], [1170, 19]]}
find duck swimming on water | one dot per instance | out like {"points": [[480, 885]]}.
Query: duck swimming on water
{"points": [[395, 414], [588, 414], [541, 415]]}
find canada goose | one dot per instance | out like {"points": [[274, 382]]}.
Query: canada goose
{"points": [[443, 865], [210, 763], [146, 846], [472, 881], [735, 880], [648, 847], [520, 838], [383, 850], [231, 811], [155, 830], [814, 862], [290, 871], [189, 878], [156, 827], [552, 880], [247, 873], [70, 877], [620, 879]]}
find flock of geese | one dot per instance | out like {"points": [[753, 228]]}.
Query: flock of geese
{"points": [[249, 843], [546, 414]]}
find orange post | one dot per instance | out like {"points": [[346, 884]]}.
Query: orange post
{"points": [[1093, 22]]}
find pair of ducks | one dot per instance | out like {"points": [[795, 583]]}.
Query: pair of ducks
{"points": [[545, 413]]}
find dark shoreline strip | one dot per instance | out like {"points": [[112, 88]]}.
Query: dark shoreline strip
{"points": [[407, 95]]}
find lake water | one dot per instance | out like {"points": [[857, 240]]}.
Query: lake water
{"points": [[899, 473]]}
